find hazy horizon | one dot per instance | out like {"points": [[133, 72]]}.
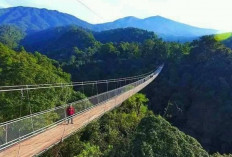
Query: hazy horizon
{"points": [[207, 14]]}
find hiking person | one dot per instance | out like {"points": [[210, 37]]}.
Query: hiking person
{"points": [[70, 112]]}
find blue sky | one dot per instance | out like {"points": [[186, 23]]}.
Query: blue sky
{"points": [[202, 13]]}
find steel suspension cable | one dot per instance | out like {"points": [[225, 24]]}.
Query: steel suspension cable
{"points": [[54, 108], [49, 110], [58, 85], [22, 135]]}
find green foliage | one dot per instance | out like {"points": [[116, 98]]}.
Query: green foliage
{"points": [[112, 134], [59, 43], [156, 137], [227, 40], [195, 93], [124, 35], [219, 155], [18, 68], [10, 35], [122, 59], [182, 93], [90, 151], [136, 103], [124, 133]]}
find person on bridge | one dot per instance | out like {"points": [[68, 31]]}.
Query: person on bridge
{"points": [[70, 112]]}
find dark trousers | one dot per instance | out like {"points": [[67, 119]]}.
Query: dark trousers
{"points": [[70, 119]]}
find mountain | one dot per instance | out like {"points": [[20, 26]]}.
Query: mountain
{"points": [[124, 35], [59, 42], [33, 19], [163, 27], [62, 42]]}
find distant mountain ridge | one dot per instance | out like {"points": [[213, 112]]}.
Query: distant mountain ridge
{"points": [[163, 27], [128, 34], [59, 42], [34, 19]]}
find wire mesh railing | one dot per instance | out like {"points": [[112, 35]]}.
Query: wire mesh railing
{"points": [[14, 131], [71, 84]]}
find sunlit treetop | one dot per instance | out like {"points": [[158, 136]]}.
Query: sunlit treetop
{"points": [[222, 37]]}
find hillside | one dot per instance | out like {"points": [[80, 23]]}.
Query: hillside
{"points": [[59, 42], [21, 67], [227, 39], [123, 131], [183, 93], [193, 92], [188, 68], [116, 134], [163, 27], [33, 19], [124, 35], [11, 35]]}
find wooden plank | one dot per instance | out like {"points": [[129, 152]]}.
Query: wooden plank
{"points": [[46, 139]]}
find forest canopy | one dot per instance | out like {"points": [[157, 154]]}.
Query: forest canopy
{"points": [[193, 92]]}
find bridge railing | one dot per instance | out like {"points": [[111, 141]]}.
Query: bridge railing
{"points": [[20, 129]]}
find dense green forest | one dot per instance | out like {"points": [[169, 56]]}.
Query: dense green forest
{"points": [[226, 38], [193, 92], [58, 43], [11, 35], [129, 131], [20, 68], [124, 35]]}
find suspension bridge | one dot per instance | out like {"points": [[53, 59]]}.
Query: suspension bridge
{"points": [[33, 134]]}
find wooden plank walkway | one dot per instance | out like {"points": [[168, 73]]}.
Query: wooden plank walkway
{"points": [[38, 143]]}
